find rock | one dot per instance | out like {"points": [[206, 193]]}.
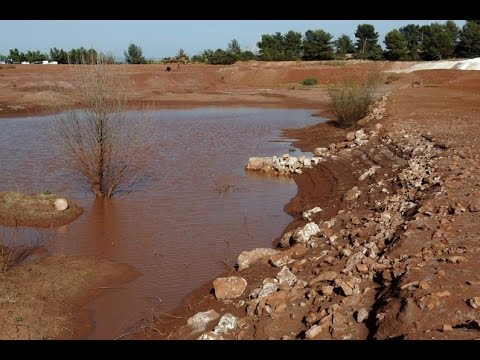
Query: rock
{"points": [[475, 302], [230, 287], [369, 172], [474, 206], [424, 285], [286, 276], [360, 135], [298, 171], [304, 234], [378, 126], [314, 331], [346, 288], [352, 194], [327, 290], [227, 322], [447, 327], [350, 136], [307, 215], [444, 293], [281, 259], [200, 320], [210, 336], [260, 164], [248, 258], [268, 289], [61, 204], [286, 238], [320, 151], [362, 268], [362, 315], [326, 276]]}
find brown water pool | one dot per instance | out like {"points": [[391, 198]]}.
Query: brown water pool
{"points": [[175, 228]]}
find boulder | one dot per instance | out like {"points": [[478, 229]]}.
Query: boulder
{"points": [[248, 258], [200, 320], [229, 288], [61, 204]]}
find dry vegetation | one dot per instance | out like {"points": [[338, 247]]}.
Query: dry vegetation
{"points": [[102, 144], [351, 100]]}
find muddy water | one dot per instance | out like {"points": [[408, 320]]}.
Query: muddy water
{"points": [[177, 229]]}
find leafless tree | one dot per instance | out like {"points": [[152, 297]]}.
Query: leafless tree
{"points": [[101, 143]]}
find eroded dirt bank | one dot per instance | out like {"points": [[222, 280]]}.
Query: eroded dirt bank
{"points": [[392, 254], [33, 89], [42, 299]]}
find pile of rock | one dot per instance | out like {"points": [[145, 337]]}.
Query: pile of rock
{"points": [[287, 164]]}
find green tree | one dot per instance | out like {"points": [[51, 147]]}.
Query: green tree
{"points": [[292, 45], [367, 43], [247, 55], [453, 31], [16, 55], [271, 47], [438, 42], [234, 48], [317, 45], [469, 39], [344, 45], [396, 45], [134, 55], [32, 56], [59, 55], [182, 56], [413, 35]]}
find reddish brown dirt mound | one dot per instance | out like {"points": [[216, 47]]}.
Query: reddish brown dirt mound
{"points": [[17, 209], [41, 299]]}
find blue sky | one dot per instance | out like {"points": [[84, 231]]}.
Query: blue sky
{"points": [[160, 38]]}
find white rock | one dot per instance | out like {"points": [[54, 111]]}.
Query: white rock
{"points": [[369, 172], [362, 315], [61, 204], [248, 258], [200, 320], [286, 276], [304, 234], [268, 289], [227, 322], [307, 215]]}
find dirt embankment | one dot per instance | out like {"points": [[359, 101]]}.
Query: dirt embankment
{"points": [[33, 89], [394, 251], [42, 299]]}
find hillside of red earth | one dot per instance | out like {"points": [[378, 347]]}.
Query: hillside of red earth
{"points": [[393, 252]]}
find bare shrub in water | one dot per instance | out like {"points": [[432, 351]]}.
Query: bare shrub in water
{"points": [[101, 144], [350, 100]]}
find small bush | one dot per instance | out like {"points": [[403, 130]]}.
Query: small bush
{"points": [[309, 82], [350, 101]]}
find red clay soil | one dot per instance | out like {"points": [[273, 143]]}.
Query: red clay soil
{"points": [[43, 299], [398, 261], [27, 90], [417, 275]]}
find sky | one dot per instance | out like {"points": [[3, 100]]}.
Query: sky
{"points": [[162, 38]]}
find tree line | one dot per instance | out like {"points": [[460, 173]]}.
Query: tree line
{"points": [[74, 56], [435, 41]]}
